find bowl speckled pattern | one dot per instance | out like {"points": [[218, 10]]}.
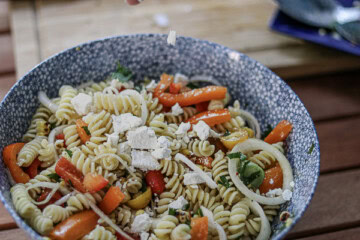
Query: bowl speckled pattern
{"points": [[259, 90]]}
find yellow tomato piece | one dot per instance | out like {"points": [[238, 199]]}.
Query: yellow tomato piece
{"points": [[237, 137], [140, 201]]}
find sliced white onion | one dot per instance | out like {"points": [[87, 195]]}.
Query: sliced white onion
{"points": [[253, 144], [212, 224], [265, 230], [211, 183], [203, 78], [11, 179], [50, 185], [52, 135], [44, 100], [107, 219], [252, 121], [144, 110], [117, 158], [64, 199]]}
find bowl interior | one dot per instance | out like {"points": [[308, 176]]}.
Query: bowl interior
{"points": [[258, 89]]}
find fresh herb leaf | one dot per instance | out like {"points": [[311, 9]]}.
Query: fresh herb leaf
{"points": [[267, 131], [138, 88], [252, 177], [52, 125], [227, 133], [68, 152], [237, 155], [143, 186], [122, 74], [311, 149], [86, 129], [172, 211], [54, 176], [199, 212], [223, 181], [71, 184], [192, 85], [186, 207]]}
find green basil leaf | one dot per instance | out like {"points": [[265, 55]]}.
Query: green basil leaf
{"points": [[224, 181], [186, 207], [199, 212], [227, 133], [122, 74], [172, 211], [311, 149], [68, 152], [267, 131], [237, 155], [86, 129], [54, 176], [192, 85]]}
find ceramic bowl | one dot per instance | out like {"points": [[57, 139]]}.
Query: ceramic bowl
{"points": [[259, 90]]}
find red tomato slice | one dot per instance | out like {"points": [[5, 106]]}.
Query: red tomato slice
{"points": [[43, 196], [155, 180], [67, 171], [32, 170], [94, 182]]}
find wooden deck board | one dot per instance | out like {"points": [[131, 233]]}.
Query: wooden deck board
{"points": [[6, 82], [334, 205], [17, 234], [4, 17], [6, 54], [348, 234]]}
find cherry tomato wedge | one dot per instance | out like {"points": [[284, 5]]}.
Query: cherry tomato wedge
{"points": [[155, 180], [67, 171], [204, 161], [112, 199], [175, 88], [94, 182], [273, 179], [43, 196], [202, 107], [81, 127], [32, 170]]}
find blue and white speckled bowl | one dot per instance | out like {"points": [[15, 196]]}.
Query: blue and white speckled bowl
{"points": [[259, 90]]}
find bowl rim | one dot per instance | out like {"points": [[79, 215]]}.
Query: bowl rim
{"points": [[21, 222]]}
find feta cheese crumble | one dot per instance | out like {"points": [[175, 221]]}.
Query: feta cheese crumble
{"points": [[202, 130], [292, 184], [171, 40], [274, 192], [151, 86], [142, 138], [144, 161], [194, 178], [124, 147], [112, 139], [179, 203], [287, 195], [141, 223], [271, 181], [183, 128], [82, 103], [176, 110], [118, 85], [125, 122], [161, 153], [181, 78], [163, 142], [144, 236]]}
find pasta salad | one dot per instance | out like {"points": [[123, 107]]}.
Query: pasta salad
{"points": [[171, 159]]}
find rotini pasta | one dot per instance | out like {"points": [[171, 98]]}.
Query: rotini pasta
{"points": [[165, 226], [66, 109], [117, 104], [56, 213], [42, 113], [188, 113], [201, 147], [100, 233], [29, 152]]}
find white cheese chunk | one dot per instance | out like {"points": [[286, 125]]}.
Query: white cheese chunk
{"points": [[179, 203], [181, 78], [274, 192], [144, 161], [141, 223], [144, 236], [125, 122], [124, 147], [142, 138], [151, 86], [171, 40], [163, 142], [112, 139], [176, 110], [119, 85], [82, 103], [292, 184], [194, 178], [183, 128], [161, 153], [202, 130], [287, 195]]}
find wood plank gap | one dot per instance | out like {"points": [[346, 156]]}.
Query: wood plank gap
{"points": [[337, 118], [348, 234]]}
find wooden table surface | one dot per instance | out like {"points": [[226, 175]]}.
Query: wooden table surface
{"points": [[333, 101]]}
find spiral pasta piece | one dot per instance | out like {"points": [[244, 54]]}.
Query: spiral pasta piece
{"points": [[165, 226], [107, 162], [41, 224], [79, 202], [234, 124], [252, 226], [124, 216], [171, 168], [181, 232], [152, 103], [47, 154], [95, 87], [42, 113], [81, 161], [188, 113], [71, 136], [42, 128], [29, 152], [165, 199], [66, 109], [117, 104], [98, 125], [271, 211], [22, 201], [229, 195], [264, 158], [159, 125], [56, 213], [199, 197], [201, 148], [238, 215], [175, 185], [134, 183], [100, 233], [222, 216]]}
